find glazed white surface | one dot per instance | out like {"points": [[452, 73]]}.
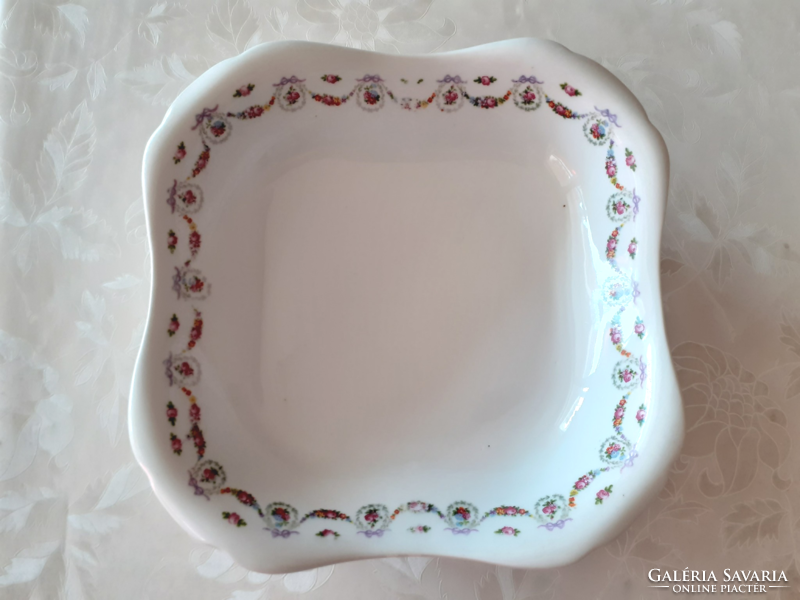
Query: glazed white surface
{"points": [[93, 81], [405, 306]]}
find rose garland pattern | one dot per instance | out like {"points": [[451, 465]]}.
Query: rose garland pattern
{"points": [[207, 477]]}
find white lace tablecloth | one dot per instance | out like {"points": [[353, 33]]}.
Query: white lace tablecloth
{"points": [[83, 84]]}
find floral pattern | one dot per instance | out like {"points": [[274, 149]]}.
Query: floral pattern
{"points": [[180, 153], [639, 328], [632, 246], [234, 519], [561, 110], [618, 207], [528, 98], [174, 325], [172, 413], [626, 374], [451, 98], [372, 520], [419, 529], [597, 130], [603, 494], [172, 241], [488, 101], [641, 414], [327, 533], [569, 90], [630, 159], [175, 442], [244, 90]]}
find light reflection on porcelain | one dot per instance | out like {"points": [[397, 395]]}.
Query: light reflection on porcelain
{"points": [[617, 297]]}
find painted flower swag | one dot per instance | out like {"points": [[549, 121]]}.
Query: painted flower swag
{"points": [[183, 371]]}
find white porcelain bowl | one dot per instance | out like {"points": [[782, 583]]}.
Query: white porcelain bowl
{"points": [[405, 305]]}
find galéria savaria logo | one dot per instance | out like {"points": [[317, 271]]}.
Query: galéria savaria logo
{"points": [[707, 582]]}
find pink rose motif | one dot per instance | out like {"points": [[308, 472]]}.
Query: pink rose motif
{"points": [[244, 91], [631, 248], [234, 519], [511, 511], [172, 413], [330, 514], [485, 80], [619, 413], [582, 483], [612, 243], [559, 110], [508, 530], [371, 516], [626, 376], [201, 164], [549, 509], [180, 153], [630, 160], [570, 91], [209, 474], [602, 494], [176, 444], [415, 506], [186, 369], [450, 97], [620, 206], [194, 413], [173, 326], [331, 78], [616, 336], [529, 96], [640, 414], [189, 197], [489, 102], [255, 111], [638, 328], [611, 170], [197, 286]]}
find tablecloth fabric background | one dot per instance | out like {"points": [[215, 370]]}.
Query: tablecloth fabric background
{"points": [[83, 83]]}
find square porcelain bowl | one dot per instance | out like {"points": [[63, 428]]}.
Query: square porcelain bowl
{"points": [[405, 305]]}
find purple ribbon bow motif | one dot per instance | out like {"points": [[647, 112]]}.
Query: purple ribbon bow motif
{"points": [[202, 116], [198, 491], [636, 200], [168, 369], [557, 525], [177, 279], [457, 531], [370, 79], [172, 191], [628, 462], [376, 533], [636, 292], [522, 79], [449, 79], [608, 115], [642, 371], [283, 533], [284, 81]]}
